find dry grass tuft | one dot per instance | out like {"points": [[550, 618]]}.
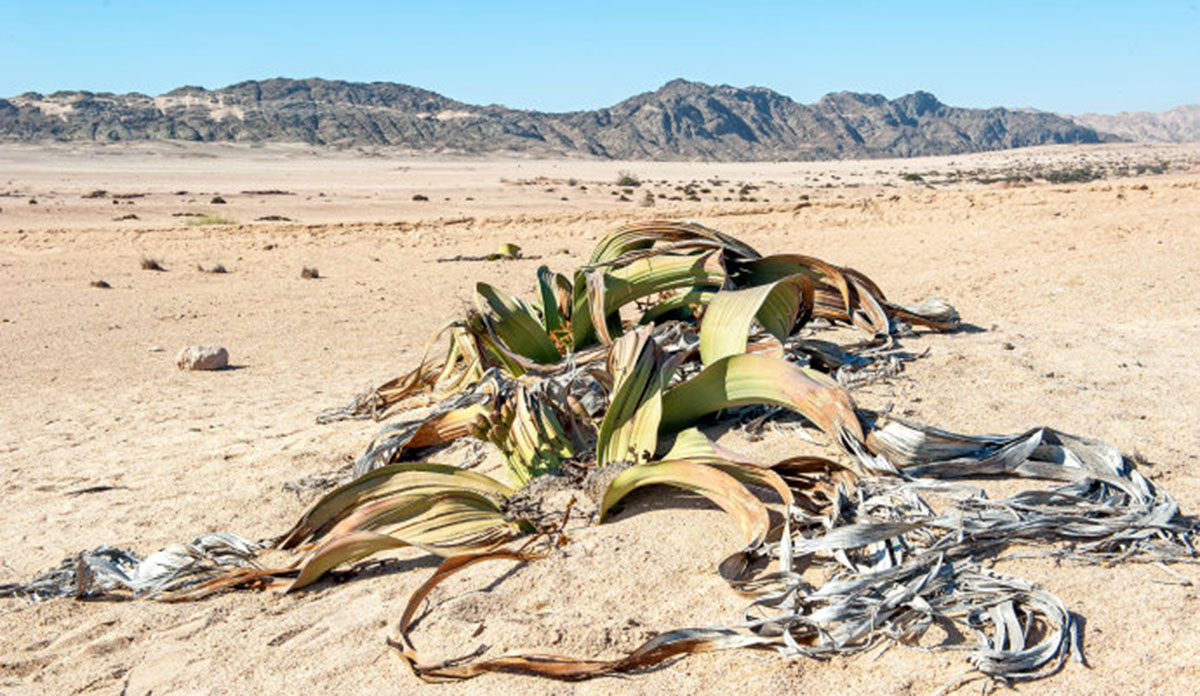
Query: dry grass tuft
{"points": [[201, 220], [151, 264], [309, 273]]}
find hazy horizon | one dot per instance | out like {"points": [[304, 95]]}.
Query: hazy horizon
{"points": [[1066, 57]]}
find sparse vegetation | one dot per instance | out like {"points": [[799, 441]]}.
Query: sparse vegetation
{"points": [[217, 200], [508, 252], [206, 219], [1076, 175], [420, 197], [100, 284], [913, 177], [151, 264], [273, 218], [309, 273], [628, 180], [127, 216], [215, 268]]}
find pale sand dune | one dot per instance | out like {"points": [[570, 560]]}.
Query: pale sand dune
{"points": [[1096, 286]]}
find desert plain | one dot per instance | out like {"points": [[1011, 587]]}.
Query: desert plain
{"points": [[1082, 299]]}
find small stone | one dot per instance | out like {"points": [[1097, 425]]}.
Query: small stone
{"points": [[202, 358]]}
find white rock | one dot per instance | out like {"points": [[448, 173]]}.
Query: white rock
{"points": [[202, 358]]}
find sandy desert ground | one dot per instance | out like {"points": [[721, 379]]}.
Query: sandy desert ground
{"points": [[1087, 295]]}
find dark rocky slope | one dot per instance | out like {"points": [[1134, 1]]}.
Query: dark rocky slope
{"points": [[681, 120]]}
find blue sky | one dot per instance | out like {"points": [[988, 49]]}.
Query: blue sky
{"points": [[556, 56]]}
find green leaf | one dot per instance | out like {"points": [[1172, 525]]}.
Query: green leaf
{"points": [[518, 327], [777, 305], [840, 294], [445, 524], [741, 380], [717, 486], [530, 434], [778, 266], [344, 549], [641, 278], [693, 445], [629, 430], [641, 236], [411, 480], [685, 305], [552, 319]]}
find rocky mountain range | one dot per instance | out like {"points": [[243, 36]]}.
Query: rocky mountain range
{"points": [[1179, 125], [682, 120]]}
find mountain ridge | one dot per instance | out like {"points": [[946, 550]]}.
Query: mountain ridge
{"points": [[681, 120], [1178, 125]]}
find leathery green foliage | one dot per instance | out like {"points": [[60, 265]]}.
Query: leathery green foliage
{"points": [[670, 324], [666, 324], [610, 368]]}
